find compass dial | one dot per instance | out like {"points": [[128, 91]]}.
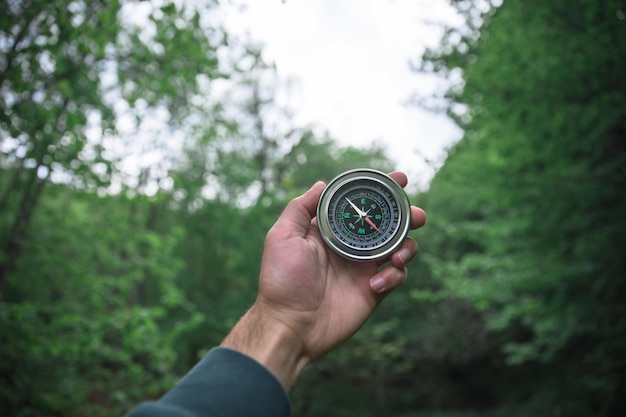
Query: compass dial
{"points": [[363, 215]]}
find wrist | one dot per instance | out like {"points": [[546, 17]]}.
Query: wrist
{"points": [[271, 343]]}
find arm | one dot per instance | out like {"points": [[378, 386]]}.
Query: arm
{"points": [[311, 300], [224, 383]]}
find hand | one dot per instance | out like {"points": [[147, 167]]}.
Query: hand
{"points": [[310, 299]]}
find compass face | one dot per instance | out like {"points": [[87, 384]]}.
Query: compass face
{"points": [[363, 215]]}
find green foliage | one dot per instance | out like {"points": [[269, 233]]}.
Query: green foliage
{"points": [[312, 159], [527, 221], [515, 305], [88, 284], [90, 300]]}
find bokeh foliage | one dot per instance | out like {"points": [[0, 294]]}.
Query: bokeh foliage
{"points": [[115, 281]]}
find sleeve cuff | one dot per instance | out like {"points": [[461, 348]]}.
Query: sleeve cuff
{"points": [[225, 383]]}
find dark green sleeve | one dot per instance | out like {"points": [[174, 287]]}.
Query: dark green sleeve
{"points": [[224, 383]]}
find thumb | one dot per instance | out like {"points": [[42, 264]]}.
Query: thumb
{"points": [[301, 210]]}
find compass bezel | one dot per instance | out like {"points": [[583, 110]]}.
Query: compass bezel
{"points": [[401, 225]]}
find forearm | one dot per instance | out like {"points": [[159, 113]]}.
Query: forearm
{"points": [[269, 342], [223, 383]]}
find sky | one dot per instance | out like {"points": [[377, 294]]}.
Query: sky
{"points": [[346, 63]]}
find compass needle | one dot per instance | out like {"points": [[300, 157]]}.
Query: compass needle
{"points": [[371, 223], [359, 212]]}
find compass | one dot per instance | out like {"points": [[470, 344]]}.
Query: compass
{"points": [[363, 215]]}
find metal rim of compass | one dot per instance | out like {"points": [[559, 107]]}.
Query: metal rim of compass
{"points": [[398, 233]]}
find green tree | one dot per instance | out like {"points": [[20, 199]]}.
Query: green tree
{"points": [[84, 329], [88, 282], [528, 207], [65, 68]]}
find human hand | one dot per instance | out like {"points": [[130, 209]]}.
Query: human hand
{"points": [[310, 299]]}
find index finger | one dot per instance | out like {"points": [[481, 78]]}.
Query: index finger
{"points": [[418, 216], [400, 178]]}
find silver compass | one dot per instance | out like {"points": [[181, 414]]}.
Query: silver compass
{"points": [[363, 215]]}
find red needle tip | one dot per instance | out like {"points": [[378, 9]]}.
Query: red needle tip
{"points": [[371, 223]]}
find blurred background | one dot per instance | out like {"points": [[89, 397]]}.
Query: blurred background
{"points": [[146, 147]]}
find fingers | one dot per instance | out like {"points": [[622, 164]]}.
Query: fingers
{"points": [[388, 279], [418, 217], [400, 178], [404, 254], [394, 274]]}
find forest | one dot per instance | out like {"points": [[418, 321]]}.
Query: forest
{"points": [[143, 157]]}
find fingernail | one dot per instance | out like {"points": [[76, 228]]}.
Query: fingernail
{"points": [[378, 284], [405, 255], [317, 183]]}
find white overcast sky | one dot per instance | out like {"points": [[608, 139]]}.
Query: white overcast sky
{"points": [[348, 62]]}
